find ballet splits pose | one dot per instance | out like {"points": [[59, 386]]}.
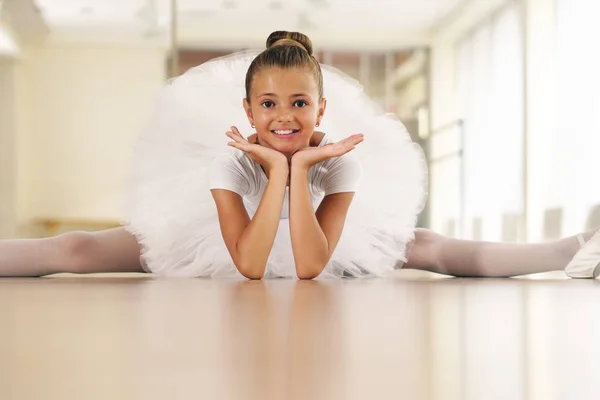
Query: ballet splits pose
{"points": [[299, 195]]}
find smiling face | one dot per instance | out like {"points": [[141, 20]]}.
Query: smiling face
{"points": [[285, 107]]}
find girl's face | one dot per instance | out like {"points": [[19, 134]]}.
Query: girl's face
{"points": [[284, 107]]}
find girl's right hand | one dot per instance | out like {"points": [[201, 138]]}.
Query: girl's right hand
{"points": [[268, 158]]}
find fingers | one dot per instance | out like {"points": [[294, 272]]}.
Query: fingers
{"points": [[349, 143], [239, 142], [235, 135], [344, 146], [235, 130], [353, 140]]}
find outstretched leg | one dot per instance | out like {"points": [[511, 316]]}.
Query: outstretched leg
{"points": [[433, 252], [112, 250]]}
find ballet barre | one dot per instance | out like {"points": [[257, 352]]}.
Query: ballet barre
{"points": [[53, 225]]}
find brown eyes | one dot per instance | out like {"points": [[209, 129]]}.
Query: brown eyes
{"points": [[300, 103], [297, 103]]}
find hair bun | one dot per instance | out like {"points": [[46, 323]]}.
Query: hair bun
{"points": [[288, 37]]}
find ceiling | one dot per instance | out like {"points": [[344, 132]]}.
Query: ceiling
{"points": [[246, 22]]}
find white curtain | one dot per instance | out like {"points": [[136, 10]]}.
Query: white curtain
{"points": [[575, 158], [489, 93]]}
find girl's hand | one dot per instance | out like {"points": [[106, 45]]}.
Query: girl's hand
{"points": [[309, 156], [268, 158]]}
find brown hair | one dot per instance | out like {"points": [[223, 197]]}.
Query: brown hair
{"points": [[286, 50]]}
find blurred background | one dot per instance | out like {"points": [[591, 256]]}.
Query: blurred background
{"points": [[504, 96]]}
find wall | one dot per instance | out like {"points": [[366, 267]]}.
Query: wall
{"points": [[8, 168], [8, 47], [79, 110]]}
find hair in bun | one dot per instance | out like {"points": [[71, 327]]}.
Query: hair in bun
{"points": [[286, 50], [291, 38]]}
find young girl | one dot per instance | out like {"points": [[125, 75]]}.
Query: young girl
{"points": [[287, 199]]}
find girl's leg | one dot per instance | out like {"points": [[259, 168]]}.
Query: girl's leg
{"points": [[113, 250], [433, 252]]}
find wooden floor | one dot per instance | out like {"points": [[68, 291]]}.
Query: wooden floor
{"points": [[413, 336]]}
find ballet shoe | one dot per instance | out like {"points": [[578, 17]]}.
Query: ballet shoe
{"points": [[586, 262]]}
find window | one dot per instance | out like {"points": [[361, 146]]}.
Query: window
{"points": [[489, 95]]}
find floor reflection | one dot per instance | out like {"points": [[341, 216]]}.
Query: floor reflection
{"points": [[415, 338], [283, 341]]}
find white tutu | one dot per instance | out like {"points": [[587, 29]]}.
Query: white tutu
{"points": [[170, 210]]}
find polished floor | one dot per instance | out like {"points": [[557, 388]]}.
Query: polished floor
{"points": [[413, 336]]}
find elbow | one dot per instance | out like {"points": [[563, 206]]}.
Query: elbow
{"points": [[307, 276], [253, 276], [306, 273], [252, 272], [311, 268]]}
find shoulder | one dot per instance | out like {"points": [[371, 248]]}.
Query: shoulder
{"points": [[339, 174], [346, 164], [233, 159], [233, 170]]}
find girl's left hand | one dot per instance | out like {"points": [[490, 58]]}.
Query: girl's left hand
{"points": [[309, 156]]}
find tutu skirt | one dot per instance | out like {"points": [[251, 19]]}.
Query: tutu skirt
{"points": [[170, 210]]}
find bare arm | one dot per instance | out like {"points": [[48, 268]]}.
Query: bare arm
{"points": [[314, 235], [249, 242]]}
